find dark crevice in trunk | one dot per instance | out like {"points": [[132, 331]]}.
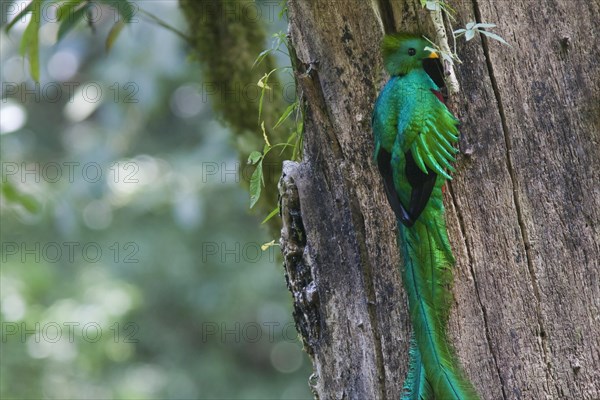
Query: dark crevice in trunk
{"points": [[517, 200], [387, 15], [462, 230]]}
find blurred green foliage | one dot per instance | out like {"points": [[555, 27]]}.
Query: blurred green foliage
{"points": [[252, 92], [130, 266]]}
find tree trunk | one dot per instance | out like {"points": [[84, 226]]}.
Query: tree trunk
{"points": [[522, 209]]}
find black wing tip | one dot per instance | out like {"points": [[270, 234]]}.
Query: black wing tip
{"points": [[385, 169]]}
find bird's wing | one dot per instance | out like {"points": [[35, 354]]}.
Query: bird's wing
{"points": [[433, 146]]}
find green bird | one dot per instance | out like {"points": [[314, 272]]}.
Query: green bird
{"points": [[415, 136]]}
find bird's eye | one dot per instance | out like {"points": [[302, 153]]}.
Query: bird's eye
{"points": [[412, 52]]}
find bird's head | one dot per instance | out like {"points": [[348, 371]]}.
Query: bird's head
{"points": [[404, 52]]}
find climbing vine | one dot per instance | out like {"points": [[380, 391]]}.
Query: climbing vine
{"points": [[293, 112]]}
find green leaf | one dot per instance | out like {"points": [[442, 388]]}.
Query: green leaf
{"points": [[271, 214], [292, 136], [288, 143], [16, 19], [66, 9], [469, 35], [30, 203], [256, 184], [447, 57], [470, 25], [288, 111], [114, 33], [265, 246], [254, 157], [261, 57], [459, 31], [267, 143], [30, 42], [262, 83], [123, 7], [494, 36], [484, 25], [282, 10], [13, 195], [69, 21], [10, 192]]}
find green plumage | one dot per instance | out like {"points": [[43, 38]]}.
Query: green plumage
{"points": [[414, 137]]}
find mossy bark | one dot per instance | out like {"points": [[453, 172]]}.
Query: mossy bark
{"points": [[227, 36]]}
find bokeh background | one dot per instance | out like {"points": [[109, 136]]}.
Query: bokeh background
{"points": [[131, 266]]}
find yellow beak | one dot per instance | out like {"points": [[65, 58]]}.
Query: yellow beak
{"points": [[433, 54]]}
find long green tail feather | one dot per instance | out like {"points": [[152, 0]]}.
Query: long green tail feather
{"points": [[427, 276], [416, 386]]}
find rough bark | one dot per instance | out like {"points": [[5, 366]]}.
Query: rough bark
{"points": [[522, 210]]}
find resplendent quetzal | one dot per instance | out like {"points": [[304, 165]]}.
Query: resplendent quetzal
{"points": [[414, 146]]}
